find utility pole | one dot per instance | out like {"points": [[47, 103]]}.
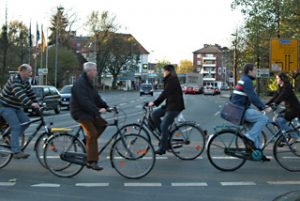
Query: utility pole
{"points": [[235, 57], [56, 51]]}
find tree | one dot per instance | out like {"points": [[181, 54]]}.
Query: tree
{"points": [[60, 21], [160, 64], [186, 66], [4, 45]]}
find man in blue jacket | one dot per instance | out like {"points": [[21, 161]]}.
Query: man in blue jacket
{"points": [[244, 95]]}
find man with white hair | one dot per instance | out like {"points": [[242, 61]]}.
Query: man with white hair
{"points": [[15, 94], [85, 107]]}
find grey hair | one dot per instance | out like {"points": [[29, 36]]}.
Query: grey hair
{"points": [[89, 65], [24, 67]]}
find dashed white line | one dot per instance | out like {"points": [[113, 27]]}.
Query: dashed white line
{"points": [[142, 184], [191, 184], [46, 185], [92, 184], [239, 183], [7, 183], [283, 182]]}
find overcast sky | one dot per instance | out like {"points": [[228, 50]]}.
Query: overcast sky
{"points": [[168, 29]]}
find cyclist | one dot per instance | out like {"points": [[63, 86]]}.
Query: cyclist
{"points": [[244, 95], [285, 94], [172, 93], [15, 94], [85, 107]]}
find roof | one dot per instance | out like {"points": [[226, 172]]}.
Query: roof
{"points": [[209, 49]]}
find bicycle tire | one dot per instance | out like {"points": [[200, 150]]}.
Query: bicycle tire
{"points": [[5, 153], [287, 153], [225, 140], [39, 147], [53, 152], [132, 166], [187, 141], [263, 139], [135, 128]]}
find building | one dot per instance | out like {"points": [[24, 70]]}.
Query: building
{"points": [[210, 62]]}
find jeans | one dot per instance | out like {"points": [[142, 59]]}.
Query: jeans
{"points": [[259, 120], [164, 125], [282, 123], [14, 118]]}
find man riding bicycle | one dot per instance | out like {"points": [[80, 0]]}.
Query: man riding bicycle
{"points": [[172, 93], [85, 107], [244, 95], [15, 94]]}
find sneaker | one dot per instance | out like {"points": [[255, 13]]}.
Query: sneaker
{"points": [[94, 166], [265, 159], [21, 155]]}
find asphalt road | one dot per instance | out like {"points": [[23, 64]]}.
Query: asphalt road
{"points": [[171, 178]]}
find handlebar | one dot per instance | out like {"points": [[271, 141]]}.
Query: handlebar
{"points": [[112, 109]]}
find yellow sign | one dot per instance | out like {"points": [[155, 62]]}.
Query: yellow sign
{"points": [[284, 55]]}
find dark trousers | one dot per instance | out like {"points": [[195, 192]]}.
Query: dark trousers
{"points": [[93, 130], [164, 124]]}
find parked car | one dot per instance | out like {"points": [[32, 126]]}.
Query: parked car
{"points": [[208, 90], [65, 94], [193, 89], [48, 96], [217, 90], [146, 89]]}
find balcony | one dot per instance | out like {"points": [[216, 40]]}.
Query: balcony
{"points": [[209, 58], [208, 78], [209, 65]]}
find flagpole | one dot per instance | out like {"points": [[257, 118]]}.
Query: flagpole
{"points": [[41, 63], [30, 44]]}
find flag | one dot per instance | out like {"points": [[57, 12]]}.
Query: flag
{"points": [[30, 36], [43, 41], [37, 34]]}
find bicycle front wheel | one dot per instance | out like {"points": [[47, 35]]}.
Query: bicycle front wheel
{"points": [[187, 141], [287, 152], [39, 148], [58, 145], [223, 151], [132, 156]]}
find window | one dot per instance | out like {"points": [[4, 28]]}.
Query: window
{"points": [[199, 56], [53, 91], [199, 63], [209, 55], [46, 91]]}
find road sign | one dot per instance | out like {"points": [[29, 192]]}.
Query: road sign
{"points": [[43, 71], [263, 72], [284, 55]]}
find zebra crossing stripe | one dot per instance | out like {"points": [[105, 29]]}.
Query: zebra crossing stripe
{"points": [[7, 183], [46, 185], [192, 184], [92, 184], [239, 183], [283, 182], [142, 184]]}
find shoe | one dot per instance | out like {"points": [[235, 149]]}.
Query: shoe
{"points": [[265, 159], [249, 144], [94, 166], [20, 155], [160, 152], [292, 140]]}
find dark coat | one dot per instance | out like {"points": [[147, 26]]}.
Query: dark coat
{"points": [[292, 106], [172, 93], [85, 100]]}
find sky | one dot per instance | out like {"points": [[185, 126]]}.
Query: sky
{"points": [[168, 29]]}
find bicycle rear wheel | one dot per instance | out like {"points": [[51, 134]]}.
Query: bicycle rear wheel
{"points": [[287, 152], [187, 141], [5, 153], [224, 153], [132, 158], [57, 146]]}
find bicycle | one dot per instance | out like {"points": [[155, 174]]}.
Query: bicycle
{"points": [[186, 141], [132, 156], [5, 148], [228, 149]]}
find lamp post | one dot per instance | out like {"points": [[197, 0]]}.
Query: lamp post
{"points": [[235, 56]]}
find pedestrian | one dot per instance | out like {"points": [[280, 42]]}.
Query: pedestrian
{"points": [[85, 107], [16, 94], [172, 93]]}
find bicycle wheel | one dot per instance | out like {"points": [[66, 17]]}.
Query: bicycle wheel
{"points": [[39, 148], [263, 139], [5, 153], [132, 158], [287, 152], [58, 145], [187, 141], [223, 152]]}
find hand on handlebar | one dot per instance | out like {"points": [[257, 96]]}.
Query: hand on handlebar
{"points": [[268, 109], [35, 105], [102, 110], [151, 104]]}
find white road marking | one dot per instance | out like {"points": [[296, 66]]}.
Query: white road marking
{"points": [[283, 182], [146, 158], [191, 184], [142, 184], [7, 183], [238, 183], [92, 184], [46, 185]]}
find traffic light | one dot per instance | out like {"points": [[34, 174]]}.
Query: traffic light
{"points": [[145, 66]]}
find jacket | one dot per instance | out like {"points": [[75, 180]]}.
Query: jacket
{"points": [[244, 94], [85, 101], [17, 93], [292, 106], [172, 93]]}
